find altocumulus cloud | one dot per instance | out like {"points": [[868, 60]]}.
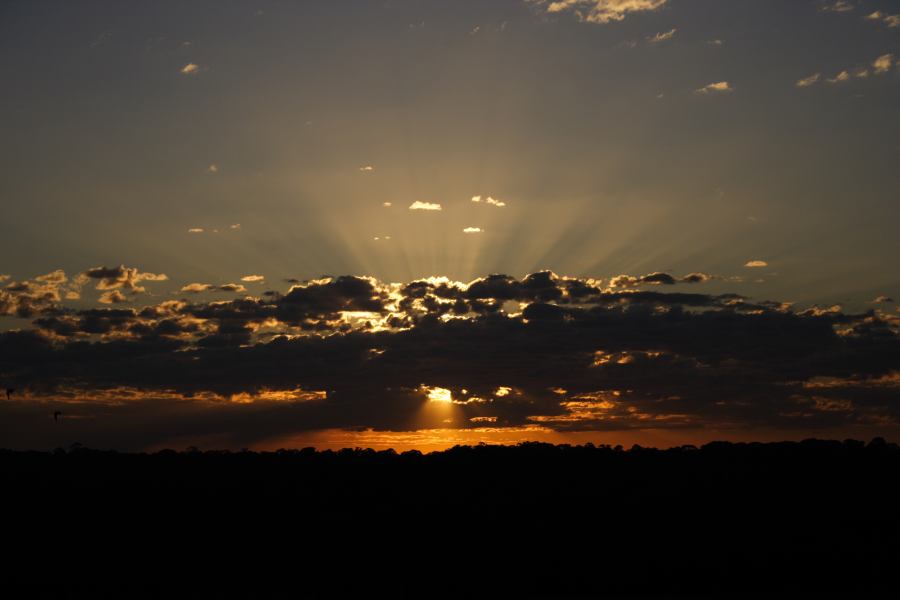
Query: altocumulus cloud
{"points": [[565, 353]]}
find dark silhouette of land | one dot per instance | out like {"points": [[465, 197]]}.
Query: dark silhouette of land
{"points": [[533, 520]]}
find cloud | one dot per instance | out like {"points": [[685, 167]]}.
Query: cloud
{"points": [[253, 278], [119, 279], [808, 81], [599, 11], [715, 88], [883, 63], [367, 169], [387, 204], [837, 6], [753, 264], [418, 205], [190, 69], [882, 299], [232, 287], [235, 226], [213, 168], [472, 230], [113, 297], [357, 353], [195, 230], [840, 77], [489, 200], [662, 36], [889, 20], [196, 288]]}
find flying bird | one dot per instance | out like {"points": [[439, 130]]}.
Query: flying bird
{"points": [[56, 415], [9, 392]]}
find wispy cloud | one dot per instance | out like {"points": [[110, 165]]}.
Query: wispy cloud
{"points": [[419, 205], [808, 81], [840, 77], [837, 6], [662, 36], [719, 87], [367, 169], [599, 11], [473, 230], [756, 264], [195, 230], [253, 278]]}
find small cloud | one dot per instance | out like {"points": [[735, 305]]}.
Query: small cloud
{"points": [[715, 42], [489, 200], [662, 36], [195, 230], [235, 226], [882, 300], [418, 205], [232, 287], [387, 204], [213, 168], [190, 69], [837, 6], [253, 278], [861, 73], [755, 264], [840, 77], [808, 81], [883, 63], [367, 169], [875, 16], [473, 230], [718, 87], [196, 288], [475, 30]]}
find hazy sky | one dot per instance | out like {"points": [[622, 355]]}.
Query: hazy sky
{"points": [[208, 143]]}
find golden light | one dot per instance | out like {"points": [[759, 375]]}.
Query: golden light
{"points": [[438, 394]]}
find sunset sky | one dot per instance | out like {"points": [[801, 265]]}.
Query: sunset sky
{"points": [[415, 223]]}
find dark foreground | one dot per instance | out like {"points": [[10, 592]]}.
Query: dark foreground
{"points": [[486, 521]]}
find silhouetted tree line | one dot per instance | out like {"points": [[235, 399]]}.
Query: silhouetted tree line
{"points": [[473, 521]]}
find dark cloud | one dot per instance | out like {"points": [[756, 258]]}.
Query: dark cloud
{"points": [[352, 352]]}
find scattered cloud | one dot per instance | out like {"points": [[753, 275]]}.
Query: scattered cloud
{"points": [[418, 205], [889, 20], [213, 168], [234, 226], [662, 36], [195, 230], [387, 204], [840, 77], [367, 169], [599, 11], [232, 287], [253, 278], [718, 87], [472, 230], [489, 200], [808, 81], [190, 69], [113, 297], [882, 300], [755, 264], [716, 42]]}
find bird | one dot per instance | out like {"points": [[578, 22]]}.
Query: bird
{"points": [[9, 392], [56, 415]]}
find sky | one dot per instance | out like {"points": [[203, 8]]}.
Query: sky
{"points": [[415, 223]]}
